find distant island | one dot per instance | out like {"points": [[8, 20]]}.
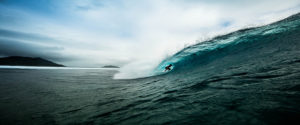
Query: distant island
{"points": [[27, 61], [110, 66]]}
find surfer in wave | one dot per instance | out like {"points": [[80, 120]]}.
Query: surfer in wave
{"points": [[168, 68]]}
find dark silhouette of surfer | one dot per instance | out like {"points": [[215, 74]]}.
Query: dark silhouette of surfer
{"points": [[168, 68]]}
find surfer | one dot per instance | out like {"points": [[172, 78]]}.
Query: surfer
{"points": [[168, 68]]}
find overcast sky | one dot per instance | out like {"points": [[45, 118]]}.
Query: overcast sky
{"points": [[129, 33]]}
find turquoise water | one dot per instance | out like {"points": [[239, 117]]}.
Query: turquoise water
{"points": [[251, 76]]}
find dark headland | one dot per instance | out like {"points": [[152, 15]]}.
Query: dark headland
{"points": [[27, 61], [110, 66]]}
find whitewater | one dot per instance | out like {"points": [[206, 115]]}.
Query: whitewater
{"points": [[247, 77]]}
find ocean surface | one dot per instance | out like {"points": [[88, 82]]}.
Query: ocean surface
{"points": [[248, 77]]}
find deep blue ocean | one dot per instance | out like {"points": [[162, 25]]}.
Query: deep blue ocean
{"points": [[247, 77]]}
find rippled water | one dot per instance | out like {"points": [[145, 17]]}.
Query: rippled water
{"points": [[86, 96]]}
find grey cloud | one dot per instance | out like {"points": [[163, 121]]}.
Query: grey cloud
{"points": [[24, 36], [92, 4], [13, 43], [19, 48]]}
